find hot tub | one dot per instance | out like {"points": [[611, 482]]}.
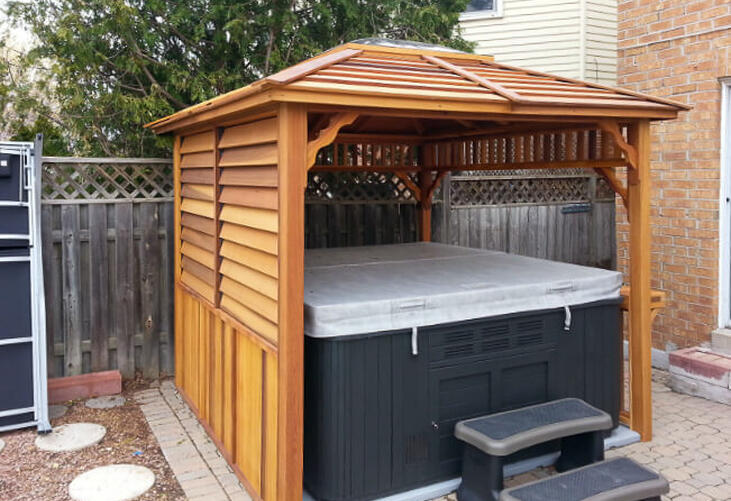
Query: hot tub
{"points": [[402, 341]]}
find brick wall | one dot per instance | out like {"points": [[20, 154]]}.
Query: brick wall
{"points": [[678, 49]]}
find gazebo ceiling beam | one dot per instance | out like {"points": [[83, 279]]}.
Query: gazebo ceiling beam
{"points": [[423, 109], [568, 164], [520, 127], [418, 126], [363, 137]]}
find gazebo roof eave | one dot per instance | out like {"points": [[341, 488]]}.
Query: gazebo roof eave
{"points": [[402, 78], [415, 106]]}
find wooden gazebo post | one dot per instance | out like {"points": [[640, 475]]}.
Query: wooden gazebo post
{"points": [[292, 182], [640, 327]]}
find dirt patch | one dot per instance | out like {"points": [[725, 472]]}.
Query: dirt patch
{"points": [[27, 473]]}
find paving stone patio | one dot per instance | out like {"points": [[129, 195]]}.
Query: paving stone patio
{"points": [[691, 447], [201, 471]]}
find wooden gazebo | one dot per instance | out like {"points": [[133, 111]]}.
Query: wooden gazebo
{"points": [[241, 166]]}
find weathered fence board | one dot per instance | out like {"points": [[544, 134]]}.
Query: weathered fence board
{"points": [[116, 289], [123, 271], [71, 292], [99, 287], [352, 224], [541, 231]]}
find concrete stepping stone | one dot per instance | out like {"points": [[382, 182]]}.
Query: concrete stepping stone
{"points": [[106, 402], [71, 437], [56, 411], [116, 482], [2, 444]]}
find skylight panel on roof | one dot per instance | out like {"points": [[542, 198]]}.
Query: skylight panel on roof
{"points": [[405, 44]]}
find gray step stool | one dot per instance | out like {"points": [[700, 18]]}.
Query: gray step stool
{"points": [[489, 439], [619, 479]]}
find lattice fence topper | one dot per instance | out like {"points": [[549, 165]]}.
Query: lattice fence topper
{"points": [[76, 179], [527, 187], [357, 187]]}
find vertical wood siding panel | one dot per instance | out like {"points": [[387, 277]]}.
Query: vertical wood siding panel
{"points": [[230, 369], [271, 396], [217, 375], [249, 410]]}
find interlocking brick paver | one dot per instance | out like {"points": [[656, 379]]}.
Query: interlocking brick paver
{"points": [[192, 456], [691, 446]]}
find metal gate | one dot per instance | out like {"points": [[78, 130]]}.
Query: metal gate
{"points": [[23, 386]]}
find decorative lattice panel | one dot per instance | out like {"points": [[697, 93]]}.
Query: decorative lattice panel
{"points": [[106, 179], [357, 187]]}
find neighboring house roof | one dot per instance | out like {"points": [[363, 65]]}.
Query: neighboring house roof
{"points": [[368, 74]]}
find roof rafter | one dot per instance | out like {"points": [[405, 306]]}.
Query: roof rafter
{"points": [[495, 87], [310, 66]]}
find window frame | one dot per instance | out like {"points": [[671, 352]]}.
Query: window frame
{"points": [[497, 12]]}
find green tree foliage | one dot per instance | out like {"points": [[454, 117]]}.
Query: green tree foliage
{"points": [[55, 140], [117, 64]]}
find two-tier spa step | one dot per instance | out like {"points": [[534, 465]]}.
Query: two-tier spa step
{"points": [[619, 479], [489, 439]]}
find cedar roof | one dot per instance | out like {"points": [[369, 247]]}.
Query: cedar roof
{"points": [[422, 78]]}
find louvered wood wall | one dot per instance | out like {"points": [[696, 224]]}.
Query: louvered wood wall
{"points": [[249, 225], [227, 272]]}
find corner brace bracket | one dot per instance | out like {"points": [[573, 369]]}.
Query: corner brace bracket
{"points": [[328, 134]]}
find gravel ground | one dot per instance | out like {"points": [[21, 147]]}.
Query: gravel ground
{"points": [[27, 473]]}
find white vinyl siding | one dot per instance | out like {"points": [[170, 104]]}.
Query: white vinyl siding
{"points": [[573, 38], [601, 41]]}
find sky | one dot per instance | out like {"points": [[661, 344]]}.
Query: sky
{"points": [[19, 38]]}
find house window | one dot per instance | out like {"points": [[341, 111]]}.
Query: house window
{"points": [[481, 9]]}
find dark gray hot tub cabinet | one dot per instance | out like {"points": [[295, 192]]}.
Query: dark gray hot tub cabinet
{"points": [[380, 420]]}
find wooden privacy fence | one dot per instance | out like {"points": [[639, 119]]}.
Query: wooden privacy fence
{"points": [[564, 215], [108, 241], [107, 229]]}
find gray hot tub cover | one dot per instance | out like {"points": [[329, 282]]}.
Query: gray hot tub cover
{"points": [[360, 290]]}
